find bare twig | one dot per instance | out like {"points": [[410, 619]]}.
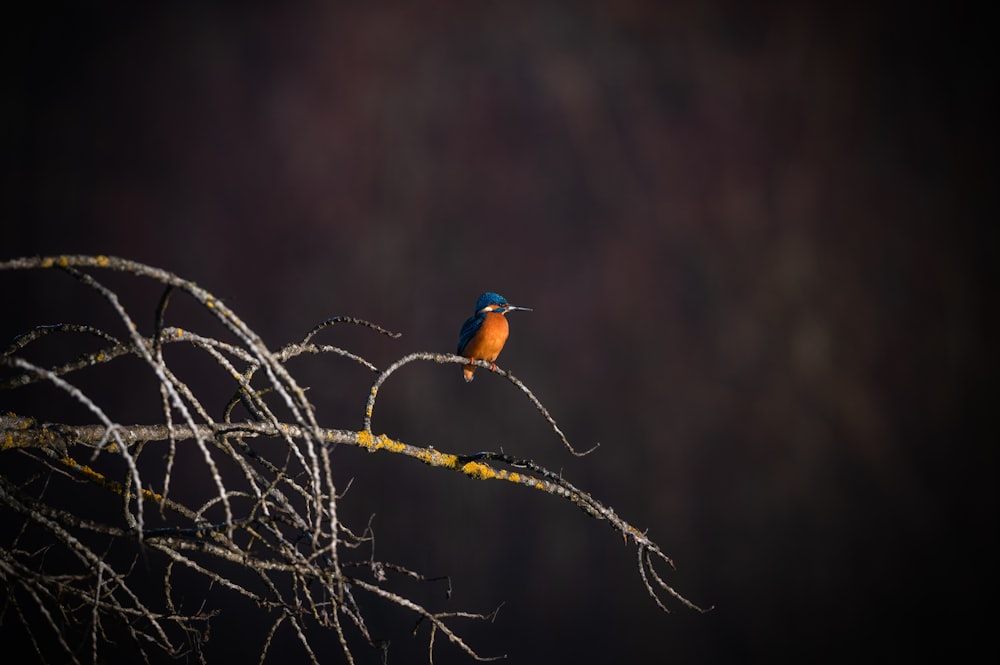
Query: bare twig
{"points": [[268, 532]]}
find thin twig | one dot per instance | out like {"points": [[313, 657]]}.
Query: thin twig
{"points": [[271, 508]]}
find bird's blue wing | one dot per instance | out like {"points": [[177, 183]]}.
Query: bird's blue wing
{"points": [[469, 329]]}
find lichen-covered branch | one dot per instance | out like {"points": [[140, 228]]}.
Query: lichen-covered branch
{"points": [[264, 528]]}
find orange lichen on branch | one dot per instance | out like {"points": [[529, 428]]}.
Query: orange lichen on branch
{"points": [[99, 479], [26, 433], [372, 443], [371, 402], [473, 469], [481, 471]]}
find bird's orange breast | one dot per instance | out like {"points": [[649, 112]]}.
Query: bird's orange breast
{"points": [[489, 339]]}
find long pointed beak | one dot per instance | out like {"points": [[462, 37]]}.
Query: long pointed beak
{"points": [[511, 308]]}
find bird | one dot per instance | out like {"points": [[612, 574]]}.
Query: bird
{"points": [[485, 332]]}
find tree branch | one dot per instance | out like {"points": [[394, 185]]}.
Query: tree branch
{"points": [[268, 532]]}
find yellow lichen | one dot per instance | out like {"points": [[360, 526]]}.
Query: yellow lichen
{"points": [[436, 458], [47, 262], [382, 442], [390, 444], [151, 495], [63, 261], [111, 485], [102, 261], [478, 471]]}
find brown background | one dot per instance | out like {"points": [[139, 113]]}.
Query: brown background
{"points": [[752, 239]]}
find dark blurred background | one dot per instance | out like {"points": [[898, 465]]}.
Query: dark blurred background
{"points": [[753, 238]]}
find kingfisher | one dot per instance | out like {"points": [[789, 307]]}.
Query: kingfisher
{"points": [[485, 332]]}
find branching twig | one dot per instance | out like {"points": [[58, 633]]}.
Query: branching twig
{"points": [[441, 358], [268, 531]]}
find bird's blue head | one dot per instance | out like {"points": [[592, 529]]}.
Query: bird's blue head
{"points": [[494, 302], [489, 298]]}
